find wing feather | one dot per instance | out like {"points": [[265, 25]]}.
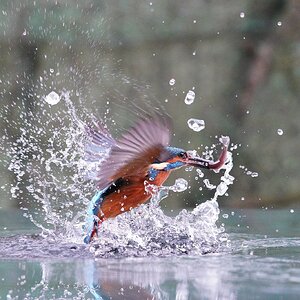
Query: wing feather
{"points": [[97, 146], [136, 149]]}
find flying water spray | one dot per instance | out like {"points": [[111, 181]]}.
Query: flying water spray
{"points": [[50, 153]]}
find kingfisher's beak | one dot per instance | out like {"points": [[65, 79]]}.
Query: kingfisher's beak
{"points": [[193, 159]]}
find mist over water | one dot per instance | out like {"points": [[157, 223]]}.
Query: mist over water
{"points": [[57, 176]]}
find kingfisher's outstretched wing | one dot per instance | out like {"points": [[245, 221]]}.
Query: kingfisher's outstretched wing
{"points": [[97, 146], [140, 146], [99, 141]]}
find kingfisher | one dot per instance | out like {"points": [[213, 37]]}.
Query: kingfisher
{"points": [[141, 156]]}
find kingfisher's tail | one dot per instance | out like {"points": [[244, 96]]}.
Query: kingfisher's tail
{"points": [[92, 220], [93, 233]]}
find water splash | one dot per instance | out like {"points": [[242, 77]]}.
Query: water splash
{"points": [[58, 180], [226, 179], [148, 231], [179, 186], [248, 172], [208, 184], [52, 173]]}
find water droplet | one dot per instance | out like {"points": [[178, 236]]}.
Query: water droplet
{"points": [[51, 71], [172, 81], [196, 125], [242, 15], [279, 23], [200, 173], [292, 211], [24, 32], [208, 184], [225, 140], [180, 185], [190, 97], [279, 131], [225, 216], [189, 168], [242, 198], [222, 188], [52, 98]]}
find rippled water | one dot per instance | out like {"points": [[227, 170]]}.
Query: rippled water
{"points": [[210, 277], [260, 268]]}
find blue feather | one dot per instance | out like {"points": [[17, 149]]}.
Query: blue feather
{"points": [[174, 165], [152, 173], [174, 151], [92, 212]]}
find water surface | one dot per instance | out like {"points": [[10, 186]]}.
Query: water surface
{"points": [[254, 266]]}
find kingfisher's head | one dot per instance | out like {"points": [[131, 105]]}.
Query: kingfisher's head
{"points": [[179, 157], [173, 158]]}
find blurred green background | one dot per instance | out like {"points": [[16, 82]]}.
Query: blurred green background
{"points": [[241, 57]]}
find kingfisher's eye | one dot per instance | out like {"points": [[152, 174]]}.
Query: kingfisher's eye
{"points": [[182, 155]]}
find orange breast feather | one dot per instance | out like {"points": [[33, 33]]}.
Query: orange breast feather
{"points": [[128, 196]]}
